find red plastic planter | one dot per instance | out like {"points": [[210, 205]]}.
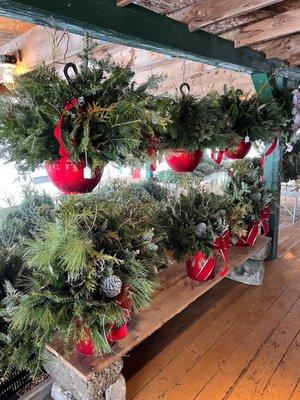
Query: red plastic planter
{"points": [[116, 334], [201, 267], [85, 347], [239, 152], [184, 161], [68, 177]]}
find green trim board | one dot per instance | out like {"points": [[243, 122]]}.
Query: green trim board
{"points": [[138, 27], [273, 163]]}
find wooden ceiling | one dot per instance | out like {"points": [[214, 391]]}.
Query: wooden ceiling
{"points": [[270, 26], [11, 28]]}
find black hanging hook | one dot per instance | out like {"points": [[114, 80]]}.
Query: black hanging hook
{"points": [[66, 72], [185, 84]]}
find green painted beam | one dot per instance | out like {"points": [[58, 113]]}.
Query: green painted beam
{"points": [[273, 163], [138, 27]]}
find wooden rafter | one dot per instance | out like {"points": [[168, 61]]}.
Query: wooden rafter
{"points": [[208, 12], [123, 3], [232, 23], [137, 27], [280, 25], [283, 48]]}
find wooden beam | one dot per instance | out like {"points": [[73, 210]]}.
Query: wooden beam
{"points": [[123, 3], [283, 48], [135, 26], [295, 60], [280, 25], [208, 12], [232, 23]]}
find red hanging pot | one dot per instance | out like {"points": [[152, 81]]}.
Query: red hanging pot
{"points": [[184, 161], [116, 334], [239, 152], [67, 176]]}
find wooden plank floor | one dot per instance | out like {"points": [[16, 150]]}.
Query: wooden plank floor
{"points": [[236, 342]]}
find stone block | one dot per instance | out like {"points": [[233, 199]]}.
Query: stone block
{"points": [[262, 254], [250, 272], [117, 391], [58, 393], [74, 386]]}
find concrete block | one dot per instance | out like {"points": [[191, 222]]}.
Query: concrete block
{"points": [[117, 391], [67, 379], [262, 254], [250, 272]]}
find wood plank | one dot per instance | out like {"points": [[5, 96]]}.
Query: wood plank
{"points": [[123, 3], [229, 24], [144, 378], [283, 48], [261, 317], [284, 381], [283, 24], [296, 393], [165, 338], [166, 304], [208, 12], [254, 377], [141, 28]]}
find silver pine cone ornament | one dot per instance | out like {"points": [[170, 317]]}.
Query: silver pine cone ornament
{"points": [[256, 196], [111, 286], [201, 229]]}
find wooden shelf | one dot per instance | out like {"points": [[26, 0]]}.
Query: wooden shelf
{"points": [[176, 293]]}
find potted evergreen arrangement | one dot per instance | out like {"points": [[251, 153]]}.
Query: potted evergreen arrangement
{"points": [[88, 271], [249, 118], [250, 199], [198, 231], [195, 124], [78, 124]]}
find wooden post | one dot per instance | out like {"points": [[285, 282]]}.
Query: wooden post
{"points": [[273, 163]]}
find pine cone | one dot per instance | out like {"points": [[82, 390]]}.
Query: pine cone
{"points": [[201, 229], [111, 286], [256, 196]]}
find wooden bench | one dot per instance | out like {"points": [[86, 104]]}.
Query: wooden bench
{"points": [[177, 291]]}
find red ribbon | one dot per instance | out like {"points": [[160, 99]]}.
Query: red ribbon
{"points": [[262, 223], [57, 131], [222, 244], [152, 151], [124, 300], [269, 151], [201, 267], [217, 156]]}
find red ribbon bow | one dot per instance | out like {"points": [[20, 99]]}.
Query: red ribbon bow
{"points": [[269, 151], [222, 244], [256, 227], [124, 300], [201, 267], [57, 131], [217, 156]]}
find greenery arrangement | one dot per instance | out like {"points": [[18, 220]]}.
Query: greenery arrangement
{"points": [[246, 195], [18, 223], [197, 218], [194, 123], [252, 116], [78, 265], [109, 123]]}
